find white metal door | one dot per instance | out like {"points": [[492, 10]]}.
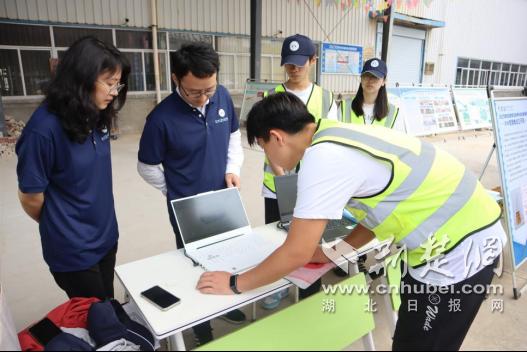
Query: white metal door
{"points": [[406, 55]]}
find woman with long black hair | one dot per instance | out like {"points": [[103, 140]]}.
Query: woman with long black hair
{"points": [[370, 105], [64, 168]]}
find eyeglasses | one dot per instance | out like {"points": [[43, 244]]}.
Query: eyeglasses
{"points": [[118, 87], [208, 93]]}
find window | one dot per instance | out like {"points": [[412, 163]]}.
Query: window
{"points": [[475, 63], [149, 67], [10, 75], [474, 72], [65, 36], [178, 39], [135, 79], [26, 50], [36, 70], [139, 39], [24, 35], [235, 61], [462, 62], [226, 75], [458, 76]]}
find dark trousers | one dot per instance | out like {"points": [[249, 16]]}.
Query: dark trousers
{"points": [[272, 214], [97, 281], [438, 322]]}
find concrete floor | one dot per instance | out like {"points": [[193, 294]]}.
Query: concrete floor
{"points": [[145, 231]]}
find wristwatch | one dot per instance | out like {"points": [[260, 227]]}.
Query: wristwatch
{"points": [[234, 284]]}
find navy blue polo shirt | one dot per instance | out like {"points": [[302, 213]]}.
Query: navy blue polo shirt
{"points": [[77, 226], [191, 147]]}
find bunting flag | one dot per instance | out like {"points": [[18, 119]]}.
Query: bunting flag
{"points": [[372, 5]]}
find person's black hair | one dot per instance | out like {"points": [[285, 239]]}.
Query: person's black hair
{"points": [[284, 111], [198, 58], [69, 95], [380, 109]]}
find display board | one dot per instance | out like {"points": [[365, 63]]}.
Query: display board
{"points": [[426, 110], [254, 91], [472, 108], [510, 130], [341, 59]]}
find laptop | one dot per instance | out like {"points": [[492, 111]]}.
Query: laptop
{"points": [[216, 232], [286, 189]]}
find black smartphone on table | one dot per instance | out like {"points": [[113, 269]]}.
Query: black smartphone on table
{"points": [[161, 298]]}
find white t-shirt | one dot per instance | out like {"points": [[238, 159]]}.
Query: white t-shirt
{"points": [[331, 174], [367, 109], [368, 117], [304, 96]]}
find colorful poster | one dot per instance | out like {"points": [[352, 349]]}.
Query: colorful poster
{"points": [[341, 59], [427, 110], [254, 91], [510, 129], [472, 107]]}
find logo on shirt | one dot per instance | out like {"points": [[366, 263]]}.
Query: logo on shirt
{"points": [[221, 112], [106, 134], [294, 46], [225, 119]]}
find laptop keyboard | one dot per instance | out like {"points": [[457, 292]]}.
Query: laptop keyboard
{"points": [[335, 224], [235, 255]]}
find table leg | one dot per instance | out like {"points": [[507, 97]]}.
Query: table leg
{"points": [[254, 311], [176, 342]]}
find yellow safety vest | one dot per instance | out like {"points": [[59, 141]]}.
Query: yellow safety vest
{"points": [[318, 104], [349, 116], [431, 198]]}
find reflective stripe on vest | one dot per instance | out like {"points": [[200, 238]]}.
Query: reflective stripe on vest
{"points": [[349, 116], [318, 104], [431, 195]]}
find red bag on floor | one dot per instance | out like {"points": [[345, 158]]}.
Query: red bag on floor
{"points": [[72, 314]]}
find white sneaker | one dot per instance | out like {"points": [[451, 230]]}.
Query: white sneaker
{"points": [[273, 301]]}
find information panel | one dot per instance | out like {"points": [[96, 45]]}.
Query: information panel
{"points": [[510, 129], [472, 107], [341, 59]]}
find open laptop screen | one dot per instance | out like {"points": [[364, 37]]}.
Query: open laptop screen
{"points": [[286, 190], [209, 214]]}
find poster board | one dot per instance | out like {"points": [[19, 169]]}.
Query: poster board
{"points": [[427, 110], [472, 108], [509, 117], [341, 59], [254, 91]]}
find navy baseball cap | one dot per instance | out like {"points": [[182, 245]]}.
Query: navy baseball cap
{"points": [[296, 50], [376, 67]]}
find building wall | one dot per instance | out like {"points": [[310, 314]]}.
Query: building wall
{"points": [[494, 30], [480, 29], [280, 18], [95, 12], [435, 10]]}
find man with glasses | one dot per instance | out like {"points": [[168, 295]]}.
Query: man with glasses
{"points": [[191, 142]]}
